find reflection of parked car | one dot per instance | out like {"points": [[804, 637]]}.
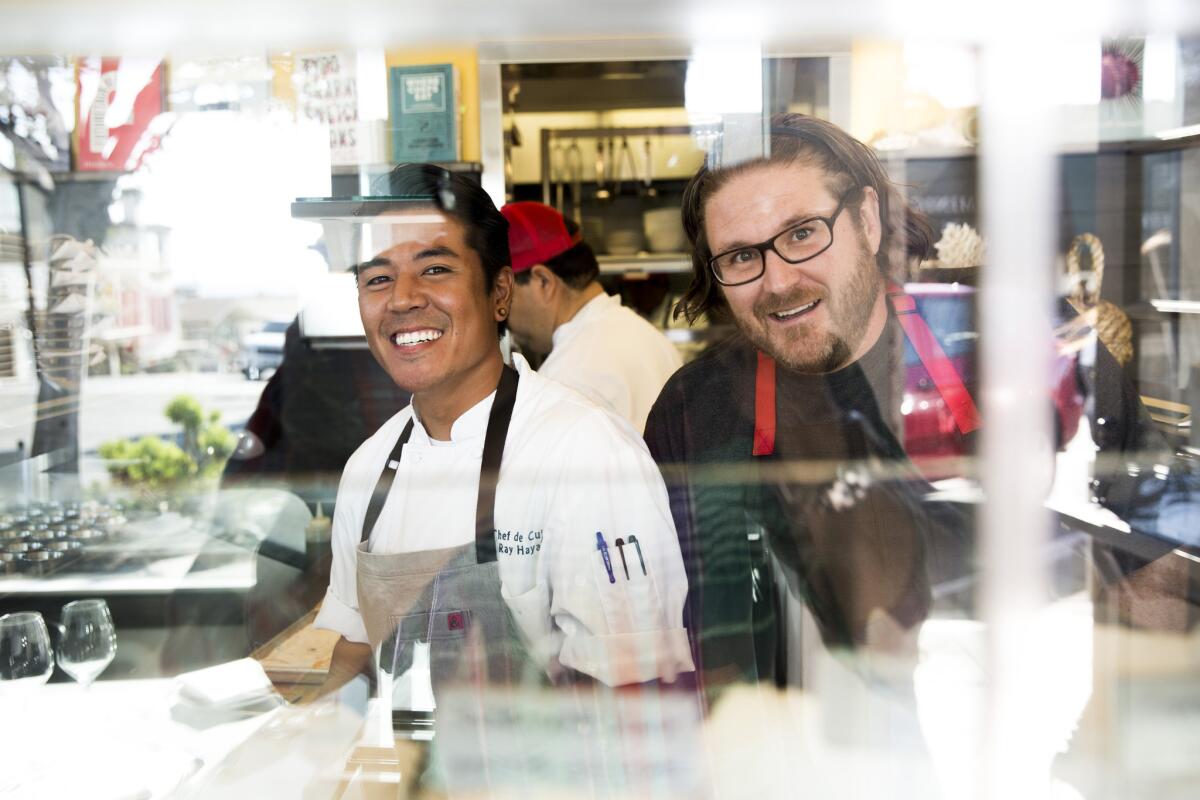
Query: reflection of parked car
{"points": [[262, 351], [930, 431]]}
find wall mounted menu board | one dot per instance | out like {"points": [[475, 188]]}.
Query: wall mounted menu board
{"points": [[423, 111]]}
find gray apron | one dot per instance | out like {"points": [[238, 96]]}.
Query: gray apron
{"points": [[449, 598]]}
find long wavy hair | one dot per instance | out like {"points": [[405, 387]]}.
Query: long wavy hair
{"points": [[846, 163]]}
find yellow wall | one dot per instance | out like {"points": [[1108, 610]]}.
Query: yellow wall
{"points": [[466, 66], [283, 88], [876, 88]]}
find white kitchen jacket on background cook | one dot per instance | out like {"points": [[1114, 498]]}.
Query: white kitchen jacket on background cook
{"points": [[612, 356], [570, 470]]}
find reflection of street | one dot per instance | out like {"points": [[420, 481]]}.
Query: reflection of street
{"points": [[129, 406]]}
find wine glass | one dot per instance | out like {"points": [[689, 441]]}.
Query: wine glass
{"points": [[26, 661], [25, 655], [89, 641]]}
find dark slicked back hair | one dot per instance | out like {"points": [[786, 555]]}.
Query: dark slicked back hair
{"points": [[461, 198], [576, 266], [847, 164]]}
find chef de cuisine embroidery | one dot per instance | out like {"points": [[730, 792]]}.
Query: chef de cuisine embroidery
{"points": [[518, 543]]}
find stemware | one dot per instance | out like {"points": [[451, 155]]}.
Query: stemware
{"points": [[25, 655], [89, 641]]}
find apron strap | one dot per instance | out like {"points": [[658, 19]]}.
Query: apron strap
{"points": [[489, 468], [384, 485], [947, 380], [764, 406], [941, 370]]}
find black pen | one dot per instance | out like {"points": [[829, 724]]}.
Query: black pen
{"points": [[621, 549], [633, 541]]}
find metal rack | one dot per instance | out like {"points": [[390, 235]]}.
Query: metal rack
{"points": [[549, 137]]}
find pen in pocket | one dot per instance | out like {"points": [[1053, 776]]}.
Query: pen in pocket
{"points": [[633, 541], [621, 549], [602, 546]]}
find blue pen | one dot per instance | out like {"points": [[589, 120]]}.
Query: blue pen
{"points": [[602, 546]]}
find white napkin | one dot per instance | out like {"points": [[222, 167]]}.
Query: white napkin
{"points": [[236, 683]]}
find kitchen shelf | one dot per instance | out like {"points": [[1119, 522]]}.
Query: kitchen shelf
{"points": [[384, 167], [659, 263]]}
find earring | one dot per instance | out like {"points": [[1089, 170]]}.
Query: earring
{"points": [[503, 313]]}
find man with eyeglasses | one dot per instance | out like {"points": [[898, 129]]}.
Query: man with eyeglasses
{"points": [[785, 447]]}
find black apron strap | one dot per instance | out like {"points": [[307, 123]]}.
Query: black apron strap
{"points": [[384, 485], [489, 469]]}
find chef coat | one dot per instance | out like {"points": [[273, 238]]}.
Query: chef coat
{"points": [[570, 470], [612, 356]]}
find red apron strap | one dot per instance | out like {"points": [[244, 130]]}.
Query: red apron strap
{"points": [[764, 406], [941, 371]]}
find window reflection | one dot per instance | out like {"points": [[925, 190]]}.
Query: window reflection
{"points": [[740, 553]]}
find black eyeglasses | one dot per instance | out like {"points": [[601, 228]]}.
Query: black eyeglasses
{"points": [[797, 243]]}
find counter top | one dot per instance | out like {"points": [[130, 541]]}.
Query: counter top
{"points": [[138, 739]]}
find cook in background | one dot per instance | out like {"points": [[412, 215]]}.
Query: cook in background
{"points": [[594, 344]]}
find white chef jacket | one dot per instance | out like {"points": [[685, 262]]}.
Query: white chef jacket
{"points": [[570, 469], [612, 356]]}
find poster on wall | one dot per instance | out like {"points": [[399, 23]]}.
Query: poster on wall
{"points": [[326, 93], [119, 101], [423, 113]]}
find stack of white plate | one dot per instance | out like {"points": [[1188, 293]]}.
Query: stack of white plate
{"points": [[623, 242], [664, 230]]}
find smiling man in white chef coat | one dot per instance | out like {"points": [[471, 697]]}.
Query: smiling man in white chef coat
{"points": [[567, 564]]}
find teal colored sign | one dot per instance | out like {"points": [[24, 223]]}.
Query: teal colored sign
{"points": [[424, 113]]}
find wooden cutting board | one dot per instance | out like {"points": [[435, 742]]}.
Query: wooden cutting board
{"points": [[299, 654]]}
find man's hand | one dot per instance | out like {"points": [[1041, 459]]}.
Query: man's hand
{"points": [[349, 660]]}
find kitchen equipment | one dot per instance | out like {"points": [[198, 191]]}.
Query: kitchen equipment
{"points": [[648, 189], [574, 166], [593, 233], [512, 138], [664, 230], [623, 241], [557, 176], [602, 192], [624, 159]]}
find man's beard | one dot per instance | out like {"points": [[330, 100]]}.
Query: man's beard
{"points": [[848, 313]]}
